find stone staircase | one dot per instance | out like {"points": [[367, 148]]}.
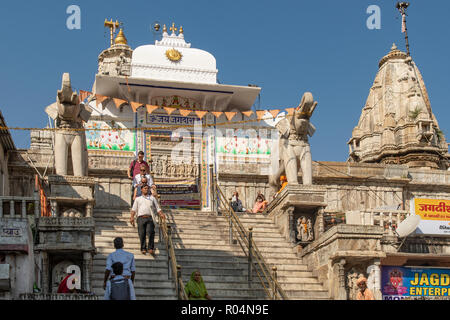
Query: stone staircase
{"points": [[151, 281], [201, 243]]}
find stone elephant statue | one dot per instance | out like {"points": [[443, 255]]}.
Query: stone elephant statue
{"points": [[294, 148], [69, 113]]}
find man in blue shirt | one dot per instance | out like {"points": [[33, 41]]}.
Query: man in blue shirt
{"points": [[122, 256]]}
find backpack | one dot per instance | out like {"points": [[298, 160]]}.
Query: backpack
{"points": [[132, 168], [120, 289]]}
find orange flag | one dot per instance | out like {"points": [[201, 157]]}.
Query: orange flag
{"points": [[99, 98], [274, 112], [216, 113], [184, 112], [260, 114], [151, 108], [169, 110], [119, 102], [135, 105], [201, 114], [290, 111], [84, 95], [247, 113], [230, 115]]}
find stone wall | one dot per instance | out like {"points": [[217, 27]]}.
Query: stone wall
{"points": [[351, 186], [338, 250], [4, 174], [21, 263]]}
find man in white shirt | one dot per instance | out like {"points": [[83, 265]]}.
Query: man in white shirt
{"points": [[143, 174], [145, 207]]}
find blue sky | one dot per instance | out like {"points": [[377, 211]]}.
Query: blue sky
{"points": [[285, 47]]}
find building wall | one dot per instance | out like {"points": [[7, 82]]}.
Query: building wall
{"points": [[4, 175]]}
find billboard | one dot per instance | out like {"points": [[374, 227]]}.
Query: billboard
{"points": [[399, 283], [181, 194], [434, 214]]}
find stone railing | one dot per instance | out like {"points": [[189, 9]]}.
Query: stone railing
{"points": [[57, 296], [24, 201], [388, 219]]}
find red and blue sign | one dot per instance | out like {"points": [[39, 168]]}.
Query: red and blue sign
{"points": [[398, 283]]}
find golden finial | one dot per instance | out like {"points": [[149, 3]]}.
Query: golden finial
{"points": [[181, 29], [172, 28], [164, 28], [112, 27], [120, 39]]}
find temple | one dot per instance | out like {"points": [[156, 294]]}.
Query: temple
{"points": [[397, 125], [319, 230]]}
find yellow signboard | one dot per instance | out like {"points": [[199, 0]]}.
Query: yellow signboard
{"points": [[433, 209], [434, 215]]}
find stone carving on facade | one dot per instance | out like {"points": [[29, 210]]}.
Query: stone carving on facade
{"points": [[69, 115], [304, 229], [294, 149], [164, 166], [397, 121], [72, 213]]}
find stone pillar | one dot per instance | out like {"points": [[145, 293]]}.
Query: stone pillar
{"points": [[374, 279], [290, 231], [36, 205], [341, 294], [54, 208], [319, 227], [89, 210], [86, 273], [45, 272]]}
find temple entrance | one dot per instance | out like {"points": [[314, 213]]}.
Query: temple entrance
{"points": [[175, 166]]}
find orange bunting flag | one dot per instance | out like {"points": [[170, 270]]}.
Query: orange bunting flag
{"points": [[230, 115], [290, 111], [216, 113], [169, 110], [135, 105], [184, 112], [201, 114], [247, 113], [119, 102], [99, 98], [151, 108], [260, 114], [84, 95], [274, 113]]}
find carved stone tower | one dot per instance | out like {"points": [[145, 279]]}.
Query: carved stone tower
{"points": [[397, 125], [116, 60]]}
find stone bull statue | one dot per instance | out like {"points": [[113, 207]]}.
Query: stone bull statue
{"points": [[294, 149], [69, 113]]}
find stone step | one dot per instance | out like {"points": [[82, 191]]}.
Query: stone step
{"points": [[160, 252], [115, 224], [204, 234], [104, 242], [218, 294], [307, 295]]}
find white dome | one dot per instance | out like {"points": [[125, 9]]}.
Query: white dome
{"points": [[173, 59]]}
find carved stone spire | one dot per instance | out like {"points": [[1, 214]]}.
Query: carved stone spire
{"points": [[397, 125]]}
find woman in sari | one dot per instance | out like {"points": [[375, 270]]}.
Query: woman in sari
{"points": [[195, 288]]}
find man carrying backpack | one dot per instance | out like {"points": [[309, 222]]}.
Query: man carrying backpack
{"points": [[119, 288]]}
